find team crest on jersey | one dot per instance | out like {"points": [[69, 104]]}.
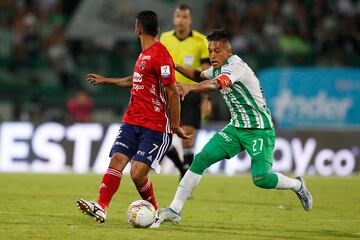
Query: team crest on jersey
{"points": [[142, 65], [165, 71]]}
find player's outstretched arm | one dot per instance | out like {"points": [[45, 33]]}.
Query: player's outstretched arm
{"points": [[204, 86], [194, 74], [174, 106], [96, 79]]}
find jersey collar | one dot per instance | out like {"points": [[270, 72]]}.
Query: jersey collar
{"points": [[190, 35]]}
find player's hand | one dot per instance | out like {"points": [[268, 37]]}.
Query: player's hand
{"points": [[177, 66], [96, 79], [183, 90], [181, 133]]}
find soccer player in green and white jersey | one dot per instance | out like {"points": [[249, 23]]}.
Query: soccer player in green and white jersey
{"points": [[250, 128]]}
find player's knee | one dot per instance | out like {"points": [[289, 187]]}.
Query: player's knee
{"points": [[118, 161], [263, 182], [116, 158], [200, 163], [137, 177]]}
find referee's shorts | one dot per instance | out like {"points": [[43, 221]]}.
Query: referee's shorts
{"points": [[191, 110]]}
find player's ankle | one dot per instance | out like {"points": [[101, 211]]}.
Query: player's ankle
{"points": [[103, 205]]}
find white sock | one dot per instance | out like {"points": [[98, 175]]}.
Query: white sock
{"points": [[287, 183], [186, 186]]}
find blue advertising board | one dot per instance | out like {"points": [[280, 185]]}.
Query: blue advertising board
{"points": [[313, 97]]}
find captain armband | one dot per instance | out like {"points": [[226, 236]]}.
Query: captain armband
{"points": [[224, 81]]}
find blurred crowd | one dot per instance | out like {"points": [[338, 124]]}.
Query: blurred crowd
{"points": [[34, 50], [32, 35], [329, 28]]}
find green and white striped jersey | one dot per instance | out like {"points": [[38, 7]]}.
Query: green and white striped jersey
{"points": [[244, 97]]}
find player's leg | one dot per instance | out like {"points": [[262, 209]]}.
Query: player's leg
{"points": [[263, 177], [218, 148], [152, 147], [260, 144], [139, 175], [211, 153], [111, 180], [108, 187], [191, 120], [175, 158], [121, 152], [174, 154], [188, 146]]}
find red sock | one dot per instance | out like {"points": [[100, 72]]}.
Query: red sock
{"points": [[109, 185], [147, 193]]}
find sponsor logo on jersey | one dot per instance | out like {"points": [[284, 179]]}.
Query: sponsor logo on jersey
{"points": [[155, 101], [146, 57], [225, 136], [138, 87], [122, 144], [153, 89], [141, 153], [165, 71], [137, 77]]}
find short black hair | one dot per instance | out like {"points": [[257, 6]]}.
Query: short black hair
{"points": [[148, 22], [219, 35], [184, 7]]}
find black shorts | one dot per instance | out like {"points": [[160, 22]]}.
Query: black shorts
{"points": [[191, 110]]}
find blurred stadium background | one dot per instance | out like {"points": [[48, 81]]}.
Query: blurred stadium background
{"points": [[306, 54]]}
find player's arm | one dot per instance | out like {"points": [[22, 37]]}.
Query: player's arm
{"points": [[96, 79], [191, 73], [204, 86], [214, 84], [206, 103], [174, 106]]}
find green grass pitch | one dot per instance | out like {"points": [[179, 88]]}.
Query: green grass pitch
{"points": [[42, 206]]}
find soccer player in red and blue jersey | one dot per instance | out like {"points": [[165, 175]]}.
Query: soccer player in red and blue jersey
{"points": [[152, 116]]}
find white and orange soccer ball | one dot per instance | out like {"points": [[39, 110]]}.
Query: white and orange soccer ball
{"points": [[141, 214]]}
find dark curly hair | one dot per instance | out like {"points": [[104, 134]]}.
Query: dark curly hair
{"points": [[219, 34], [148, 22]]}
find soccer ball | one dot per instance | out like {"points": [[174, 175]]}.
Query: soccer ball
{"points": [[141, 214]]}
